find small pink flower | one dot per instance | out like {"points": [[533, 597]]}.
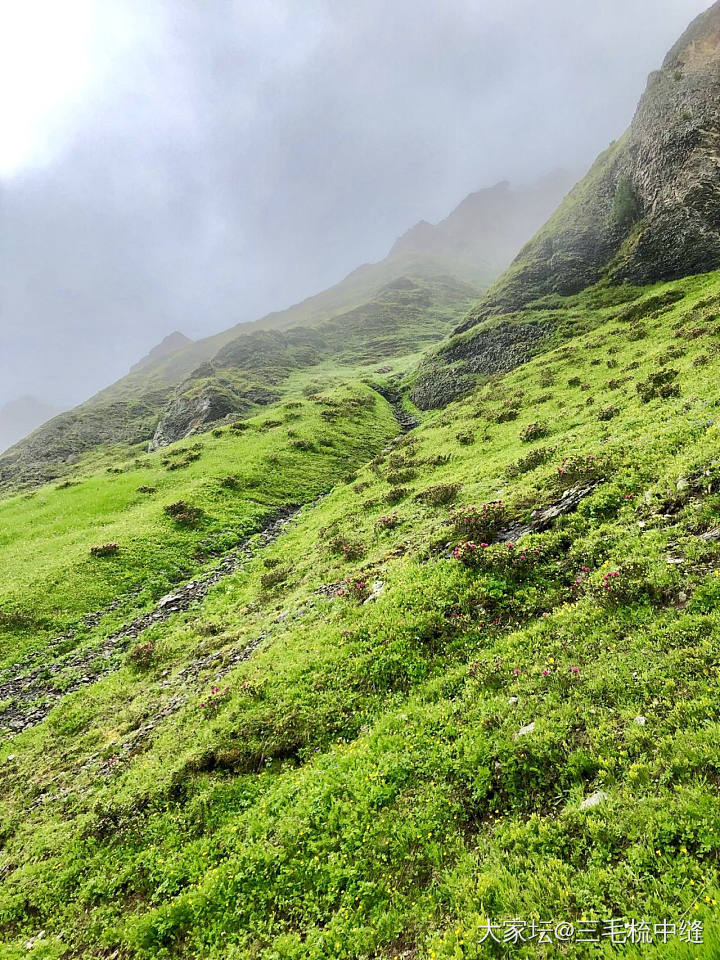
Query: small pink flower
{"points": [[576, 669], [545, 672]]}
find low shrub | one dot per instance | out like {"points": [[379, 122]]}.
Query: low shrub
{"points": [[506, 415], [142, 655], [302, 444], [230, 482], [184, 513], [534, 459], [215, 700], [274, 578], [607, 413], [354, 589], [480, 523], [504, 559], [624, 584], [104, 550], [387, 522], [534, 431], [581, 468], [346, 548], [659, 385], [396, 494], [397, 477], [439, 494]]}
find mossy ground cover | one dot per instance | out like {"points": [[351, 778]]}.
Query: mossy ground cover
{"points": [[407, 751]]}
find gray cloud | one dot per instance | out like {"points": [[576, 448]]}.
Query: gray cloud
{"points": [[232, 158]]}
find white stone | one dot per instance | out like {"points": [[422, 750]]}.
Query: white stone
{"points": [[377, 590], [524, 731], [641, 721], [594, 800]]}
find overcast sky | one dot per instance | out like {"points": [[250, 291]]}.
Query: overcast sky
{"points": [[189, 164]]}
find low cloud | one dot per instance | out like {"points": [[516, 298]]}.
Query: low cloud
{"points": [[228, 159]]}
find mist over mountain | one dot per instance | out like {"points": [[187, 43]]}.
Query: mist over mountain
{"points": [[20, 417], [649, 209], [381, 311], [190, 166], [172, 343]]}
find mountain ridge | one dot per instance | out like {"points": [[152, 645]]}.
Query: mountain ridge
{"points": [[648, 210], [132, 411]]}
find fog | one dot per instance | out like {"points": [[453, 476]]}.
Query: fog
{"points": [[168, 164]]}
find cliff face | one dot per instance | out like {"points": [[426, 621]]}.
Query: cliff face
{"points": [[649, 209]]}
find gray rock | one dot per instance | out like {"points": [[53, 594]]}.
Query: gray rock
{"points": [[594, 800], [526, 730], [378, 588]]}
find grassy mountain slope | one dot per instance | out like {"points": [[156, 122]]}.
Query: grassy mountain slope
{"points": [[404, 717], [125, 412], [454, 264], [394, 325], [237, 480]]}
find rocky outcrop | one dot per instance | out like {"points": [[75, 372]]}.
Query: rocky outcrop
{"points": [[649, 209], [195, 411], [453, 371]]}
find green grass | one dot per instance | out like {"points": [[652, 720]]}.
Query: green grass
{"points": [[362, 789], [50, 579], [237, 373]]}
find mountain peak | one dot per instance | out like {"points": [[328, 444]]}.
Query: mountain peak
{"points": [[649, 209], [699, 44], [171, 344], [485, 230]]}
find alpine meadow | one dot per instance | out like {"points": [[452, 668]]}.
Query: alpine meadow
{"points": [[387, 627]]}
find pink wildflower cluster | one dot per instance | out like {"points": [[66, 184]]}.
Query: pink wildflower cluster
{"points": [[218, 696], [347, 549], [481, 522], [577, 583], [467, 553], [546, 672], [141, 655], [507, 558], [388, 521], [353, 589], [581, 467]]}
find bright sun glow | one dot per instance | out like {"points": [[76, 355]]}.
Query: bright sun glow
{"points": [[45, 62]]}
